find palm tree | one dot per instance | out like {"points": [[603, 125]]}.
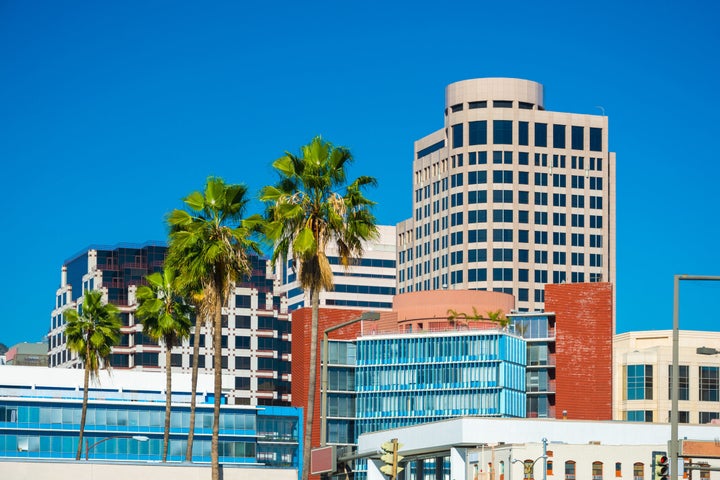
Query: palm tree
{"points": [[165, 317], [208, 249], [306, 210], [91, 333]]}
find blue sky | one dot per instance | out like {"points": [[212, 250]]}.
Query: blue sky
{"points": [[111, 112]]}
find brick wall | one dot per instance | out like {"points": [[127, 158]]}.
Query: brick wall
{"points": [[301, 325], [584, 331]]}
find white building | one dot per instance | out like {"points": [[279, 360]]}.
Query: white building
{"points": [[368, 283], [508, 196], [475, 448]]}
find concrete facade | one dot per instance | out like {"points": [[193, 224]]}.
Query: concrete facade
{"points": [[488, 448], [508, 196], [641, 388]]}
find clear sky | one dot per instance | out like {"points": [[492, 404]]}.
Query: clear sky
{"points": [[111, 112]]}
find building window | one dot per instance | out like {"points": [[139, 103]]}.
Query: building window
{"points": [[683, 416], [482, 104], [577, 141], [569, 470], [597, 471], [639, 382], [596, 139], [709, 384], [684, 382], [541, 134], [639, 416], [638, 471], [618, 469], [523, 135], [558, 136], [457, 135], [502, 103], [477, 132], [707, 417], [502, 132]]}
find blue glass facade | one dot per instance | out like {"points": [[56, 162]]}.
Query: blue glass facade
{"points": [[44, 422], [35, 428], [411, 379]]}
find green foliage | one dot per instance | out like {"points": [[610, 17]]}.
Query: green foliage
{"points": [[92, 333], [312, 205], [164, 314]]}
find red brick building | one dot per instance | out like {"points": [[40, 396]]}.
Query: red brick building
{"points": [[584, 330]]}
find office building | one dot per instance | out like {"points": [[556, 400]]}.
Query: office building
{"points": [[28, 354], [255, 335], [40, 412], [509, 196], [368, 283], [643, 368]]}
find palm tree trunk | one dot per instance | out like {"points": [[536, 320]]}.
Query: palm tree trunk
{"points": [[168, 395], [86, 387], [217, 366], [312, 381], [193, 381]]}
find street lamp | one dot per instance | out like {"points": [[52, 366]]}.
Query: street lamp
{"points": [[529, 468], [88, 447], [675, 387], [370, 316]]}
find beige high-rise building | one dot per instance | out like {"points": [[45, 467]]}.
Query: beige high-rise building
{"points": [[509, 196]]}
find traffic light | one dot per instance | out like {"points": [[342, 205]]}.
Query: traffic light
{"points": [[661, 466], [391, 458]]}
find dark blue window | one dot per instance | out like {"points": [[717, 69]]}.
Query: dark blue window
{"points": [[457, 135], [578, 142], [596, 139], [523, 134], [541, 134], [482, 104], [558, 136], [523, 255], [523, 178], [502, 103], [431, 149], [523, 158], [523, 197], [477, 132], [502, 132]]}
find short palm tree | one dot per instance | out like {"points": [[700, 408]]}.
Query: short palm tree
{"points": [[311, 206], [208, 249], [91, 333], [165, 317]]}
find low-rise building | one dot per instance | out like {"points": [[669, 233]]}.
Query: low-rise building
{"points": [[40, 411]]}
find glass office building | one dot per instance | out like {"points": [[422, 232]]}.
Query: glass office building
{"points": [[125, 421], [390, 381], [255, 321]]}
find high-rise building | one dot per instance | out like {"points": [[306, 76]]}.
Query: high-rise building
{"points": [[369, 282], [256, 326], [508, 196]]}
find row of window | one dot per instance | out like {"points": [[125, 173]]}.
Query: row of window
{"points": [[502, 134], [639, 383]]}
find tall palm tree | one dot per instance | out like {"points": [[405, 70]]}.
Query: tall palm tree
{"points": [[208, 248], [311, 206], [91, 333], [165, 317]]}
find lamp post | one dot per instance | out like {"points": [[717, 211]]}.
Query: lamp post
{"points": [[370, 316], [529, 468], [88, 446], [675, 387]]}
